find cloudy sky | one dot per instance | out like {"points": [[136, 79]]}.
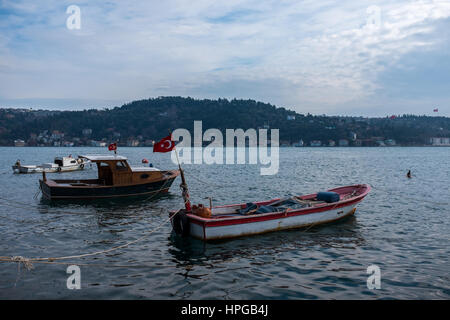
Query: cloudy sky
{"points": [[370, 58]]}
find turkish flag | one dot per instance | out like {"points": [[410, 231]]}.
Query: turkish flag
{"points": [[435, 110], [165, 145], [112, 147]]}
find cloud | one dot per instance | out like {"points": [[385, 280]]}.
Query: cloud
{"points": [[313, 57]]}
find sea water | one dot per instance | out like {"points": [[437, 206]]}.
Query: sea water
{"points": [[402, 227]]}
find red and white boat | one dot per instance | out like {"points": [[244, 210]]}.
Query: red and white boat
{"points": [[238, 220]]}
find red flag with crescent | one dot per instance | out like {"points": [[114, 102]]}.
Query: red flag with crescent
{"points": [[165, 145], [112, 147]]}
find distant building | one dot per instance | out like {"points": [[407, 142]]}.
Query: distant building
{"points": [[19, 143], [440, 141], [352, 136], [315, 143], [290, 117], [390, 142], [331, 143], [86, 132], [98, 143], [132, 143], [149, 143], [343, 143], [68, 144], [298, 144], [56, 135]]}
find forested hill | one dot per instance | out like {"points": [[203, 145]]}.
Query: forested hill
{"points": [[150, 119]]}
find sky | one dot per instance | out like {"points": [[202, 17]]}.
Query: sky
{"points": [[362, 58]]}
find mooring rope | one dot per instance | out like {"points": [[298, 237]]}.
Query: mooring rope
{"points": [[23, 205], [28, 262]]}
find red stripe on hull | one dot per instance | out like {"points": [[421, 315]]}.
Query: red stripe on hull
{"points": [[207, 223]]}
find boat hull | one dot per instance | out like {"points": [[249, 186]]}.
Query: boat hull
{"points": [[247, 228], [225, 224], [86, 192], [40, 169]]}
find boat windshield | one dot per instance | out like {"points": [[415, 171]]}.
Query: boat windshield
{"points": [[121, 166]]}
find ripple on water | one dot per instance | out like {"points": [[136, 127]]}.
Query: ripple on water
{"points": [[402, 226]]}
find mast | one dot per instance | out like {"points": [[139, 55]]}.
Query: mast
{"points": [[183, 185]]}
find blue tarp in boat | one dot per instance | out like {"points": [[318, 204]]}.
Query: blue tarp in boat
{"points": [[328, 197]]}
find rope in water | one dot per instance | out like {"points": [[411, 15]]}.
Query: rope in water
{"points": [[28, 262], [23, 205], [94, 264]]}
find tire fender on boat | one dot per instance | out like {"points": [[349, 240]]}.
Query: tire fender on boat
{"points": [[82, 166], [181, 224]]}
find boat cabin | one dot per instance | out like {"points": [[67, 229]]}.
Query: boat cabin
{"points": [[65, 161], [115, 170], [116, 178]]}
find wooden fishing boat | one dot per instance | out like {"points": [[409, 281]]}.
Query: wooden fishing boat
{"points": [[116, 178], [60, 164], [237, 220]]}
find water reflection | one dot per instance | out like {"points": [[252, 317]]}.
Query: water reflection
{"points": [[342, 234], [116, 203]]}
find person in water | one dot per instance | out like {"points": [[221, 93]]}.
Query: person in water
{"points": [[409, 174]]}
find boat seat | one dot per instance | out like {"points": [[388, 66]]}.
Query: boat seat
{"points": [[292, 203], [250, 207], [253, 208]]}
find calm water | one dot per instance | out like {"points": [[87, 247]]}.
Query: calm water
{"points": [[403, 226]]}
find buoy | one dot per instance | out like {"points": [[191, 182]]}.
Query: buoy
{"points": [[144, 160]]}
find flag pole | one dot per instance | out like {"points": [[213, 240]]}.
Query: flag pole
{"points": [[183, 185]]}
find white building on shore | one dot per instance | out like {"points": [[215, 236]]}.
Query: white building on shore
{"points": [[436, 141]]}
